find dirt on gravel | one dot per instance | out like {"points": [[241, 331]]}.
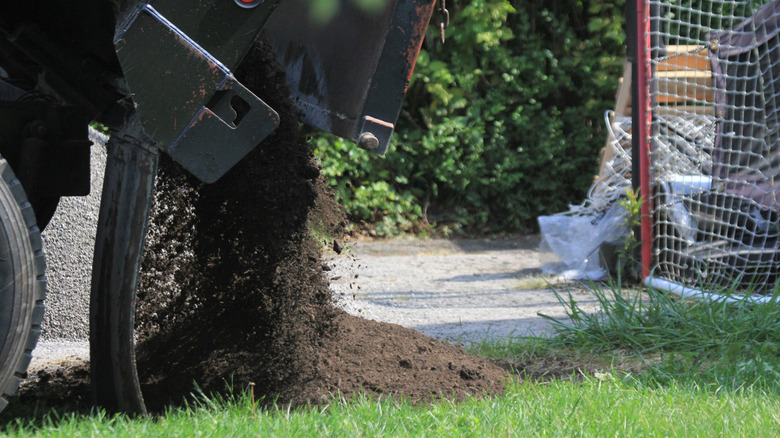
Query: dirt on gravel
{"points": [[232, 287]]}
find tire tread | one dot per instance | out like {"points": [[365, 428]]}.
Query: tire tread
{"points": [[39, 270]]}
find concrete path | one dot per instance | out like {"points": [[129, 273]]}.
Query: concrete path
{"points": [[456, 290]]}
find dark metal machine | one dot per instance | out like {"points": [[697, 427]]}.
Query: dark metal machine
{"points": [[159, 75]]}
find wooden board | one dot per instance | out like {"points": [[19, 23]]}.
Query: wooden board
{"points": [[683, 58]]}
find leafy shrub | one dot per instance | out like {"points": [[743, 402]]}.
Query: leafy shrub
{"points": [[500, 124]]}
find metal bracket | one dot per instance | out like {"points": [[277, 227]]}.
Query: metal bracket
{"points": [[210, 145], [375, 135], [186, 98], [349, 76]]}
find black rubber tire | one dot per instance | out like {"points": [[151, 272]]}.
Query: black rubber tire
{"points": [[22, 266], [128, 190]]}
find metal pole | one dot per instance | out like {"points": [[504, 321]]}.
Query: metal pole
{"points": [[642, 128]]}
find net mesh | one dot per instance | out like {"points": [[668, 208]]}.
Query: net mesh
{"points": [[715, 139]]}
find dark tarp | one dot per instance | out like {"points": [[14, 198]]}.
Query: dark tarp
{"points": [[746, 73]]}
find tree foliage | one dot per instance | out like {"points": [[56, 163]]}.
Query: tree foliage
{"points": [[502, 123]]}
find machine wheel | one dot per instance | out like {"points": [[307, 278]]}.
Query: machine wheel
{"points": [[22, 265], [128, 190]]}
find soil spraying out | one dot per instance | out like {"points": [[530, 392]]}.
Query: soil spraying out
{"points": [[232, 289]]}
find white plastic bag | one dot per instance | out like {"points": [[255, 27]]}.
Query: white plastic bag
{"points": [[576, 239]]}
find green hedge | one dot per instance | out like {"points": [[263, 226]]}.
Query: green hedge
{"points": [[502, 123]]}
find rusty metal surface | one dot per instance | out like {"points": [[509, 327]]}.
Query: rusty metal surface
{"points": [[349, 76], [209, 147], [182, 95]]}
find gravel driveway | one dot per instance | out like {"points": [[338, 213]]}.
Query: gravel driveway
{"points": [[457, 290]]}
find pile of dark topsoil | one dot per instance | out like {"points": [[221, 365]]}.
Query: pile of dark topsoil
{"points": [[232, 288]]}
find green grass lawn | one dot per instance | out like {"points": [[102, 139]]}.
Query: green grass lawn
{"points": [[603, 406], [595, 406], [648, 365]]}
